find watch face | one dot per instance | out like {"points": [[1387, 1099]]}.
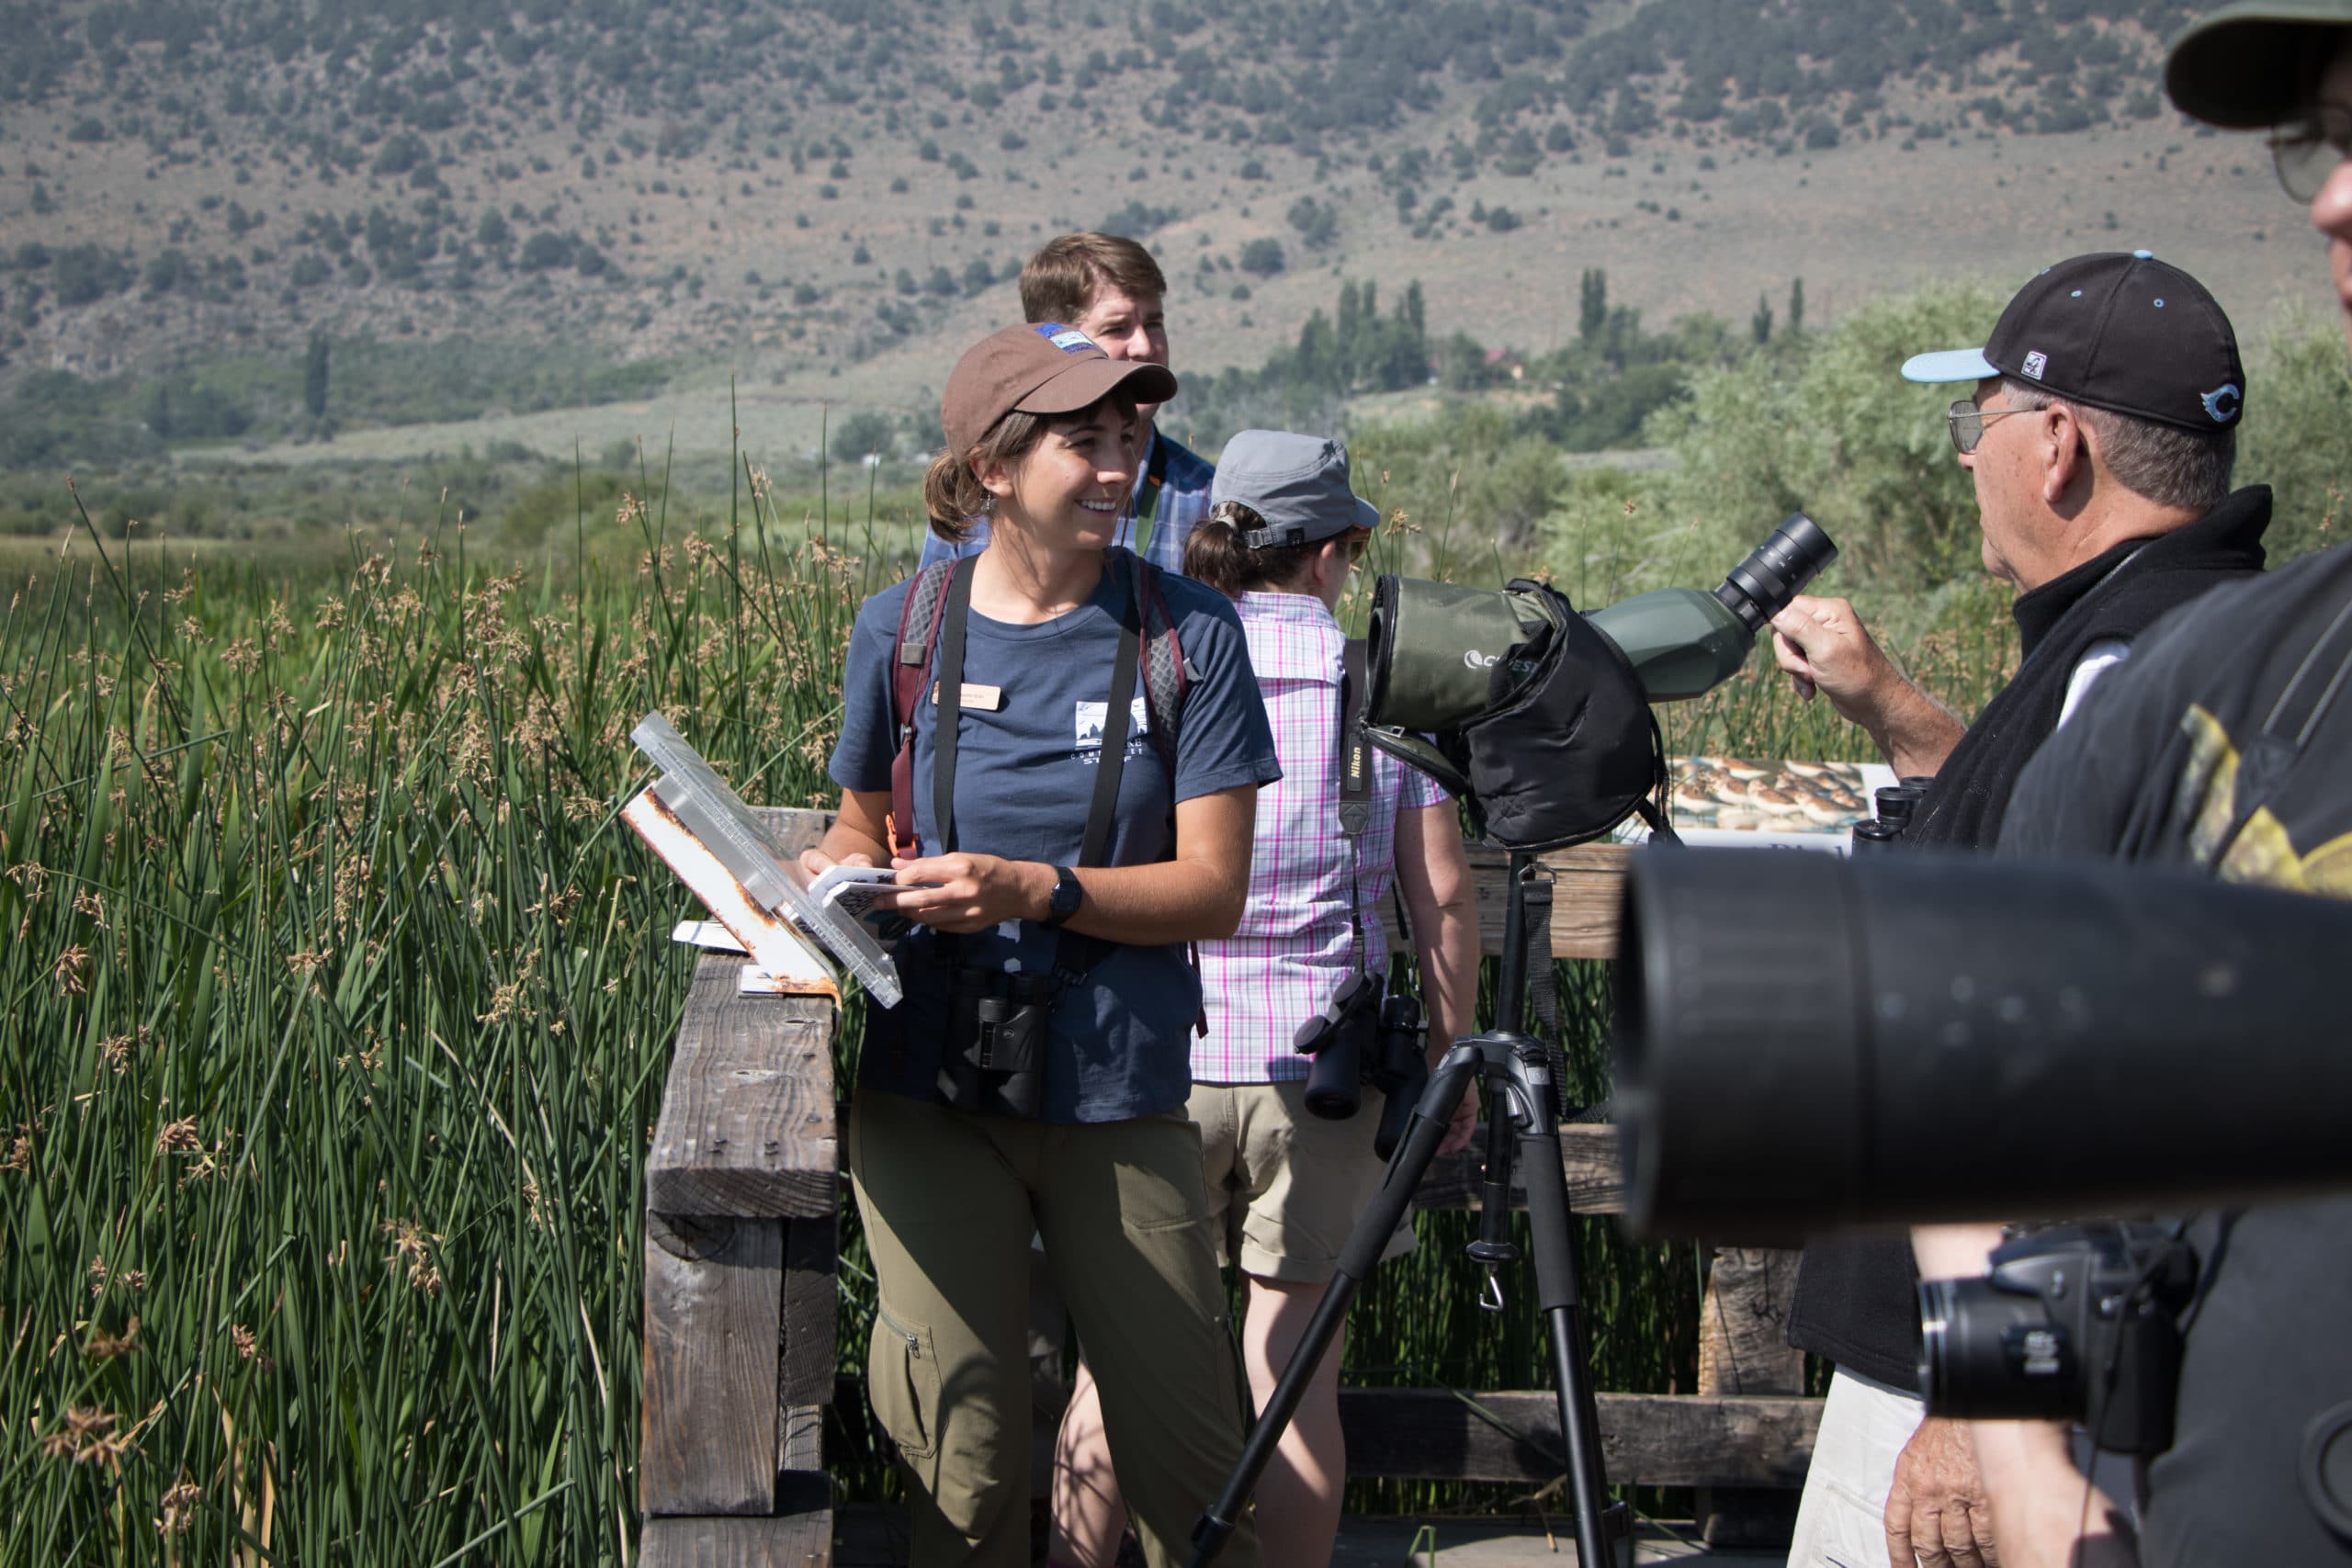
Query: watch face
{"points": [[1066, 895]]}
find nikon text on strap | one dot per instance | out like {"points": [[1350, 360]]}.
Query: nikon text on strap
{"points": [[1353, 761]]}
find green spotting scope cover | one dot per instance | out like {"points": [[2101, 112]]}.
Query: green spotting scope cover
{"points": [[1442, 642]]}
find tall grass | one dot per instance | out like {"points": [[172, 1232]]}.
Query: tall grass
{"points": [[338, 1013]]}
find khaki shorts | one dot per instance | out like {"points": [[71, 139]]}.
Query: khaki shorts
{"points": [[1285, 1188]]}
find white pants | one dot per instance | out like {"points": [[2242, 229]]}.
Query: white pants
{"points": [[1841, 1520]]}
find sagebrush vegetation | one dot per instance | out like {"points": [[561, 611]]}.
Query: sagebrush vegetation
{"points": [[827, 179]]}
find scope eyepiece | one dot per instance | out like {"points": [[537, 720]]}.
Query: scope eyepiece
{"points": [[1777, 571]]}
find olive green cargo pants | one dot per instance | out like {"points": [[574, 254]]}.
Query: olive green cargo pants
{"points": [[950, 1201]]}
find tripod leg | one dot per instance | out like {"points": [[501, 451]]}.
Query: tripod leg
{"points": [[1357, 1261], [1560, 1294]]}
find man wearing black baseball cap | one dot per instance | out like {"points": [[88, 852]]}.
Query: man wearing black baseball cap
{"points": [[2223, 746], [2099, 427]]}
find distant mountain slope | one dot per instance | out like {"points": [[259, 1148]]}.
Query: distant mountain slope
{"points": [[813, 182]]}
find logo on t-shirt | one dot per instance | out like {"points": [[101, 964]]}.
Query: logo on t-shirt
{"points": [[1092, 716]]}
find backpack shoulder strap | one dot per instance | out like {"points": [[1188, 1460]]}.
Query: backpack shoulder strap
{"points": [[1167, 674], [920, 614]]}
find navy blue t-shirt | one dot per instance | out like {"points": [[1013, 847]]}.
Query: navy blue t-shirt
{"points": [[1024, 776]]}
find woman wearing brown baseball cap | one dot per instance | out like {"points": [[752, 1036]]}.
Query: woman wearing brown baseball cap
{"points": [[1066, 746]]}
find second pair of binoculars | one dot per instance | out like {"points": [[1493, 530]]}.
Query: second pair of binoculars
{"points": [[1897, 803], [1366, 1034]]}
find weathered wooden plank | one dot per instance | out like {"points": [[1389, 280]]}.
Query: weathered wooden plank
{"points": [[802, 1540], [747, 1125], [713, 1292], [811, 1293], [802, 1447], [1743, 1324], [1744, 1350], [1588, 1151], [1646, 1440], [1585, 885]]}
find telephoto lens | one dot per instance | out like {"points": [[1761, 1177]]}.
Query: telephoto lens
{"points": [[1777, 571]]}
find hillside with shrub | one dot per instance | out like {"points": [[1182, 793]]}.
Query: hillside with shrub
{"points": [[190, 195]]}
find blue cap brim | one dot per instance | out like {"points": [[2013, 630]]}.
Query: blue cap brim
{"points": [[1367, 514], [1949, 364]]}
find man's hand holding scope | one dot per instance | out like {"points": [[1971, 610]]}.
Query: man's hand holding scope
{"points": [[1826, 649]]}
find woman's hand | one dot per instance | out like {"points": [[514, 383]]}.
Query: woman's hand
{"points": [[965, 893], [816, 862]]}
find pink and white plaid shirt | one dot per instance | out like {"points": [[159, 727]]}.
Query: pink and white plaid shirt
{"points": [[1291, 950]]}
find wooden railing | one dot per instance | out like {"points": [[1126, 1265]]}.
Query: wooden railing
{"points": [[742, 1192], [741, 1200]]}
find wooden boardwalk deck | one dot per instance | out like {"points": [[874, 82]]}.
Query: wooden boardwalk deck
{"points": [[871, 1536], [742, 1190]]}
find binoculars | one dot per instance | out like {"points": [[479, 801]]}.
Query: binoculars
{"points": [[1362, 1037]]}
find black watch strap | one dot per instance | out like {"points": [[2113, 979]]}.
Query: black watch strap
{"points": [[1067, 897]]}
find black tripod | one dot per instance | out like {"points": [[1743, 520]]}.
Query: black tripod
{"points": [[1517, 1071]]}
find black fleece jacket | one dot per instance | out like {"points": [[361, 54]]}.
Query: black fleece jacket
{"points": [[1857, 1297]]}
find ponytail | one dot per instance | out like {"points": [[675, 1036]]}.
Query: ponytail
{"points": [[1216, 553]]}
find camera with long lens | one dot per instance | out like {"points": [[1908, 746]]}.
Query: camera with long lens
{"points": [[1540, 716], [2075, 1323]]}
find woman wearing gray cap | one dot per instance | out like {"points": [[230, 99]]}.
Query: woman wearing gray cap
{"points": [[1066, 747], [1286, 1187]]}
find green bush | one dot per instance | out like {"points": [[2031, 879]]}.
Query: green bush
{"points": [[1831, 428], [2297, 435]]}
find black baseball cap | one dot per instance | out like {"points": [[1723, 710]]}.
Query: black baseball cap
{"points": [[2116, 331], [2250, 66]]}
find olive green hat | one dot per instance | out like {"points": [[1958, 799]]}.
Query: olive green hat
{"points": [[2252, 65]]}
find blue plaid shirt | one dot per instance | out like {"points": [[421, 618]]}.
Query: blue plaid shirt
{"points": [[1183, 501]]}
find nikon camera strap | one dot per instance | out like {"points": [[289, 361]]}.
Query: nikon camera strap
{"points": [[1352, 757], [1075, 954]]}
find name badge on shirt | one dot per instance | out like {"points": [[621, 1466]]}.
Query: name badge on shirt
{"points": [[987, 699]]}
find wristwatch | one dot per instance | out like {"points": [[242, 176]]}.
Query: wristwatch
{"points": [[1068, 896]]}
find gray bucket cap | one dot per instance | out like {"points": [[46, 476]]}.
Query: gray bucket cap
{"points": [[1297, 484]]}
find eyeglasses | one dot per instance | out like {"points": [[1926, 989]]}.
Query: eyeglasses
{"points": [[2308, 151], [1967, 422]]}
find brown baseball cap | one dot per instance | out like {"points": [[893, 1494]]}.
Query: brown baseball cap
{"points": [[1039, 367]]}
